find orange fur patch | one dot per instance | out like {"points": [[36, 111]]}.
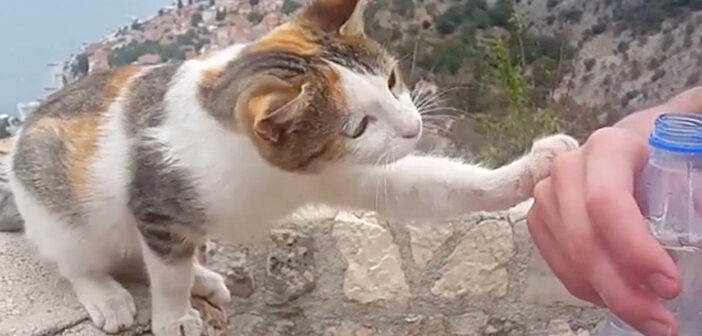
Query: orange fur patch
{"points": [[117, 83], [209, 76], [80, 133], [289, 38]]}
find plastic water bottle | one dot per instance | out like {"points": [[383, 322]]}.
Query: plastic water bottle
{"points": [[669, 193]]}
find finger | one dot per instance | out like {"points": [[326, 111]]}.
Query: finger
{"points": [[574, 232], [562, 268], [611, 170], [636, 306]]}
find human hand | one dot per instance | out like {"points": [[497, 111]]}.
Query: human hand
{"points": [[587, 225]]}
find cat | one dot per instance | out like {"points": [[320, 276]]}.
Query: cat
{"points": [[145, 162]]}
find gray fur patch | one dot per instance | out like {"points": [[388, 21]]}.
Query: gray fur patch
{"points": [[86, 96], [161, 196], [40, 162], [144, 107], [220, 98], [166, 205]]}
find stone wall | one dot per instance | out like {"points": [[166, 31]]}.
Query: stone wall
{"points": [[342, 274], [330, 273]]}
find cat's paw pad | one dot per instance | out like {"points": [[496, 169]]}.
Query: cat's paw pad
{"points": [[112, 312], [188, 325], [551, 146], [544, 151], [211, 287]]}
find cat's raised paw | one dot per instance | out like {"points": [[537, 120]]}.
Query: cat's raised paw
{"points": [[553, 145], [188, 325], [544, 151]]}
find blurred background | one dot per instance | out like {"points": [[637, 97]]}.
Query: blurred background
{"points": [[504, 71]]}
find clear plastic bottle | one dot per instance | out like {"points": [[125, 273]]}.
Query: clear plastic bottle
{"points": [[669, 193]]}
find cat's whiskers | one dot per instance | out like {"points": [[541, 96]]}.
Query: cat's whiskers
{"points": [[435, 96]]}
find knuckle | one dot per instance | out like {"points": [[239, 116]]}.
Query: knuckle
{"points": [[603, 135], [598, 198], [562, 166], [558, 165], [579, 249]]}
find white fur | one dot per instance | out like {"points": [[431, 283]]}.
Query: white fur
{"points": [[245, 196]]}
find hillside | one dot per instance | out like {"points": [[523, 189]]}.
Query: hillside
{"points": [[506, 70]]}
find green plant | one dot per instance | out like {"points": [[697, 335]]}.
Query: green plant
{"points": [[511, 132]]}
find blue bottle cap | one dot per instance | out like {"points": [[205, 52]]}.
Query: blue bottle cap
{"points": [[678, 132]]}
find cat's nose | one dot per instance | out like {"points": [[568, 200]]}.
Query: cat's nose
{"points": [[412, 130]]}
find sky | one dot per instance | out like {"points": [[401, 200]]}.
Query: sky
{"points": [[34, 33]]}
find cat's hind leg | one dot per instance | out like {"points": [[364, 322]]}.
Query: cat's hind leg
{"points": [[84, 257], [109, 305]]}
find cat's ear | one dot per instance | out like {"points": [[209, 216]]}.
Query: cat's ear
{"points": [[344, 17], [273, 106]]}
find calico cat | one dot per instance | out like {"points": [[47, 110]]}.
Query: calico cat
{"points": [[144, 163]]}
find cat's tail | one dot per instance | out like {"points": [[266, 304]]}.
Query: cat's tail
{"points": [[10, 219]]}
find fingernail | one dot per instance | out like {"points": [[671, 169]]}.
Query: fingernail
{"points": [[655, 328], [662, 285]]}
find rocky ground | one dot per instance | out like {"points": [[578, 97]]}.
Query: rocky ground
{"points": [[336, 273]]}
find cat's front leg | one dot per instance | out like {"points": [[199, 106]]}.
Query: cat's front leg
{"points": [[425, 187], [171, 279]]}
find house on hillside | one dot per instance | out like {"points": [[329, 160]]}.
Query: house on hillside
{"points": [[99, 60], [149, 59]]}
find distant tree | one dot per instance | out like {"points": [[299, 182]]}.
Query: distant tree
{"points": [[221, 14], [590, 63], [190, 2], [212, 3], [253, 3], [572, 15], [599, 28], [501, 12], [196, 19], [403, 7], [180, 4], [447, 22], [160, 12], [290, 6], [255, 17], [82, 65]]}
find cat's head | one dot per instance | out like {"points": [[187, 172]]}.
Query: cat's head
{"points": [[325, 94]]}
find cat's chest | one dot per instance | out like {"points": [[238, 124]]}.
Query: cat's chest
{"points": [[241, 194], [247, 205]]}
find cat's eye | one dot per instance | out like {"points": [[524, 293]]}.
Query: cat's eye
{"points": [[392, 81], [360, 128]]}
